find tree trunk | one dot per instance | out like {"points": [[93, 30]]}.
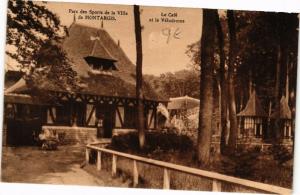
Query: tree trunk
{"points": [[278, 84], [223, 84], [231, 81], [250, 82], [287, 84], [277, 94], [139, 77], [206, 85]]}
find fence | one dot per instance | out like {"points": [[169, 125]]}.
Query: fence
{"points": [[217, 179]]}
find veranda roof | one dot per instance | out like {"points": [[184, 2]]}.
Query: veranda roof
{"points": [[17, 87], [182, 103], [22, 99], [284, 111], [11, 67], [253, 107]]}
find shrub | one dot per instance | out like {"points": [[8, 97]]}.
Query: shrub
{"points": [[268, 171], [281, 154], [164, 141], [125, 142], [242, 162]]}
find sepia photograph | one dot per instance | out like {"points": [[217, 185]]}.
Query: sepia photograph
{"points": [[150, 97]]}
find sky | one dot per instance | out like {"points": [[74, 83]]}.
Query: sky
{"points": [[164, 44]]}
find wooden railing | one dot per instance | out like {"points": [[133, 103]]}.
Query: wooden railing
{"points": [[216, 178]]}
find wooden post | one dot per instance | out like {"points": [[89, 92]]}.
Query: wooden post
{"points": [[216, 186], [99, 166], [166, 184], [4, 132], [155, 118], [135, 174], [114, 165], [87, 155]]}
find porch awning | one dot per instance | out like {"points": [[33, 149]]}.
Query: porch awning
{"points": [[182, 103]]}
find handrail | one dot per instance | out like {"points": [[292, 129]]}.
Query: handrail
{"points": [[217, 177]]}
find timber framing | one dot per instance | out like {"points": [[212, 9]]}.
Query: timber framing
{"points": [[97, 99]]}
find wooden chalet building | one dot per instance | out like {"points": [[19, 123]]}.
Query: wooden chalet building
{"points": [[283, 114], [253, 120], [256, 126], [105, 98]]}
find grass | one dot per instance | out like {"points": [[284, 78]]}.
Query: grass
{"points": [[263, 166], [151, 176]]}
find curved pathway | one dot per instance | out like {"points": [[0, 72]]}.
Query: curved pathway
{"points": [[32, 165]]}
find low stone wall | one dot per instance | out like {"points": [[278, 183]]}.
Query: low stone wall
{"points": [[117, 132], [264, 147], [73, 135]]}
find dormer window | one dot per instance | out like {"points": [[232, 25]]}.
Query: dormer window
{"points": [[100, 60], [100, 65]]}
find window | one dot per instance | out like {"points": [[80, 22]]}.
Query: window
{"points": [[287, 129], [80, 113], [258, 130], [100, 65], [130, 117], [248, 123], [63, 114], [25, 111]]}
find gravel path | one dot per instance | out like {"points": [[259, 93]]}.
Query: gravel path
{"points": [[32, 165], [75, 176]]}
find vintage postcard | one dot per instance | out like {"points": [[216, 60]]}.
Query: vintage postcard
{"points": [[149, 97]]}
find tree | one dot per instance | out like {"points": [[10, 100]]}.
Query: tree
{"points": [[139, 76], [29, 26], [206, 86], [284, 33], [231, 81], [179, 83], [223, 83], [33, 40], [271, 42], [263, 58], [194, 52]]}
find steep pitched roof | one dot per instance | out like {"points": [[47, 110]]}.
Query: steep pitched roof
{"points": [[253, 107], [283, 111], [79, 44], [84, 41]]}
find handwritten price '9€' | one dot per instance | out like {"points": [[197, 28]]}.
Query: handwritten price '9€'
{"points": [[170, 34]]}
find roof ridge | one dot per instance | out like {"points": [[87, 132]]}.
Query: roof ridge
{"points": [[93, 49], [253, 107], [83, 25], [119, 47]]}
